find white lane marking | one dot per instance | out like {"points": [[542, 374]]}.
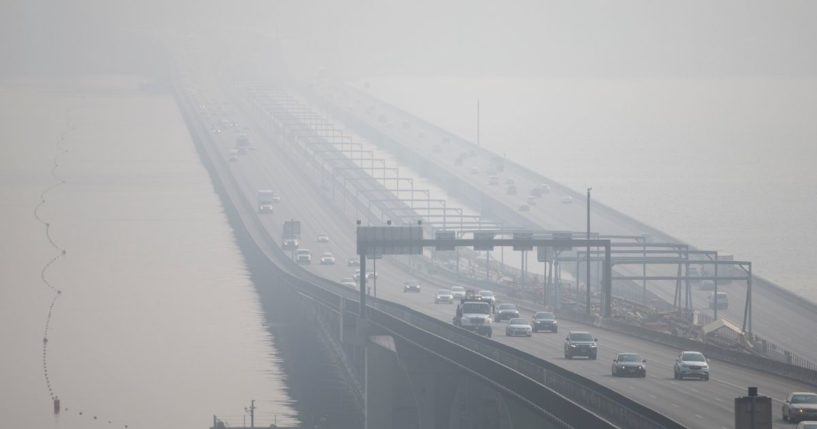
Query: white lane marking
{"points": [[699, 416], [676, 405]]}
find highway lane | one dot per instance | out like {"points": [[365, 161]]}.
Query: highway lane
{"points": [[263, 168], [794, 332]]}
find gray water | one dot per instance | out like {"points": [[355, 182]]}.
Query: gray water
{"points": [[157, 323], [722, 163]]}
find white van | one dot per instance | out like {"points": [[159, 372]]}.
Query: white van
{"points": [[723, 301]]}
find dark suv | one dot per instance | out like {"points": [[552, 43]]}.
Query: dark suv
{"points": [[506, 312], [580, 343]]}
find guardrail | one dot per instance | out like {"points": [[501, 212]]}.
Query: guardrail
{"points": [[531, 379], [746, 360]]}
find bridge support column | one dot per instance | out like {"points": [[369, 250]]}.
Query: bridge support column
{"points": [[380, 367]]}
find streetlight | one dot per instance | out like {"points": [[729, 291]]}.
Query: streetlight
{"points": [[250, 410], [587, 278]]}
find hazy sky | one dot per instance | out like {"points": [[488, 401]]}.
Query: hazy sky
{"points": [[428, 37]]}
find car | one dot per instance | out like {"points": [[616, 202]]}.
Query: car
{"points": [[303, 256], [580, 343], [567, 199], [511, 190], [510, 182], [327, 258], [369, 275], [531, 201], [265, 208], [290, 243], [524, 208], [487, 295], [348, 281], [493, 180], [691, 364], [545, 321], [473, 170], [506, 311], [411, 285], [811, 424], [444, 296], [518, 326], [322, 238], [354, 261], [544, 188], [800, 406], [629, 364], [458, 292]]}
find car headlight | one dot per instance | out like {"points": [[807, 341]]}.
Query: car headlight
{"points": [[640, 367], [555, 322], [593, 346], [573, 345]]}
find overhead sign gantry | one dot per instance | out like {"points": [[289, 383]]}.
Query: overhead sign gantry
{"points": [[376, 241]]}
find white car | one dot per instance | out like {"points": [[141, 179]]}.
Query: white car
{"points": [[290, 243], [327, 258], [518, 327], [265, 208], [322, 238], [369, 275], [444, 296], [811, 424], [349, 282], [487, 295], [458, 292], [691, 364], [567, 199], [354, 261]]}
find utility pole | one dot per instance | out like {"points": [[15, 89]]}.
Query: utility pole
{"points": [[252, 413], [478, 122], [587, 279]]}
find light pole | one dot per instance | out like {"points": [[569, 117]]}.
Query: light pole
{"points": [[587, 278]]}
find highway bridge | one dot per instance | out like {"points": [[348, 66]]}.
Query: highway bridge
{"points": [[430, 373]]}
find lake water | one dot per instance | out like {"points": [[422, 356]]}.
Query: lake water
{"points": [[721, 163], [158, 323]]}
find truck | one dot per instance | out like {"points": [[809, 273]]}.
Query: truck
{"points": [[265, 198], [474, 314], [242, 143], [723, 301]]}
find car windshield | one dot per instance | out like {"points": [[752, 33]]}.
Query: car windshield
{"points": [[506, 307], [693, 357], [443, 292], [458, 289], [518, 322], [544, 315], [581, 336], [630, 357], [486, 293], [327, 254], [476, 307], [804, 399]]}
